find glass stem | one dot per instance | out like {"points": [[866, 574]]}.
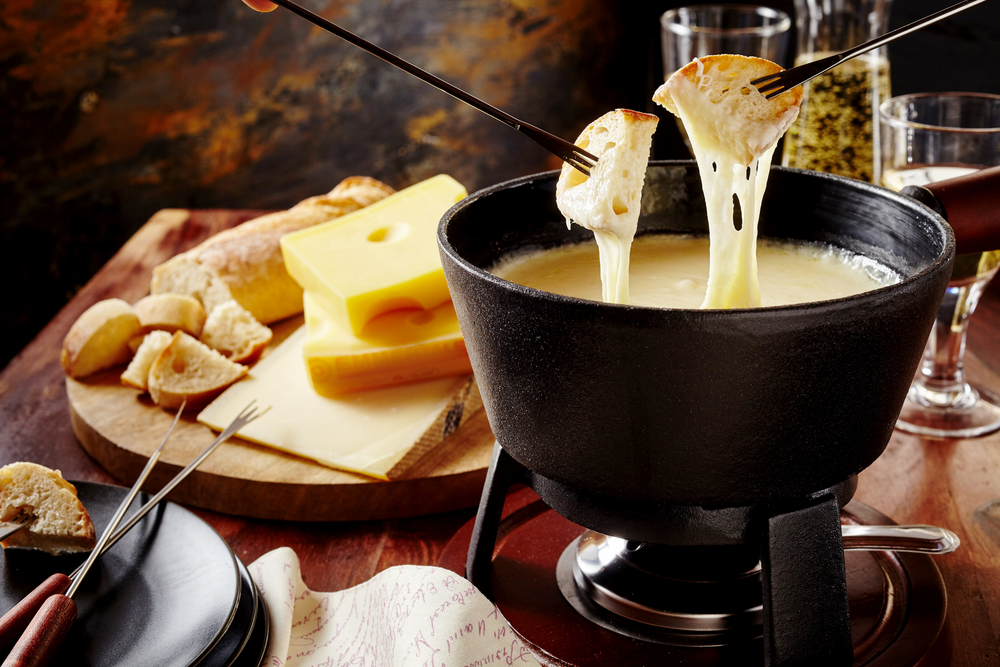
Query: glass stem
{"points": [[941, 380]]}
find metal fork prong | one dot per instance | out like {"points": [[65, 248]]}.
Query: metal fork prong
{"points": [[248, 414], [765, 79], [580, 166]]}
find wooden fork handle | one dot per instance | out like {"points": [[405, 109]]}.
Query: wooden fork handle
{"points": [[14, 622], [44, 634], [970, 204]]}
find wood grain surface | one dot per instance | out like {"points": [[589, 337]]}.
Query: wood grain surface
{"points": [[120, 428], [915, 481]]}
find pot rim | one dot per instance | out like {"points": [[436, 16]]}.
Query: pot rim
{"points": [[855, 300]]}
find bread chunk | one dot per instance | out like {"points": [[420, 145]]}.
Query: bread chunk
{"points": [[99, 338], [187, 369], [234, 332], [730, 112], [170, 312], [61, 522], [607, 202], [137, 373], [245, 263]]}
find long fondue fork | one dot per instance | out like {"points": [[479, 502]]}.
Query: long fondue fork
{"points": [[574, 155], [776, 84], [53, 619]]}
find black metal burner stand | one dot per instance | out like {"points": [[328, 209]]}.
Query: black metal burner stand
{"points": [[797, 541]]}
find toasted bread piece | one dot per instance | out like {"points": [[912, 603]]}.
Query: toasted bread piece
{"points": [[732, 113], [187, 369], [234, 332], [99, 338], [137, 373], [245, 263], [170, 312], [608, 201], [61, 522]]}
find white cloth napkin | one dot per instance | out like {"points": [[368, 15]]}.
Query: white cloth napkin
{"points": [[406, 616]]}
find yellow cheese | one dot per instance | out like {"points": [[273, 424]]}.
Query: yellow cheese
{"points": [[395, 348], [383, 257], [377, 433]]}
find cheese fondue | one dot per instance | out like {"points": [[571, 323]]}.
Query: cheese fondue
{"points": [[672, 271], [733, 131]]}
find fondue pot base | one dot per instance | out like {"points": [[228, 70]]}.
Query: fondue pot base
{"points": [[897, 601]]}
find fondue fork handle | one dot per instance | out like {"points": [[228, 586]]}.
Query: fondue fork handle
{"points": [[914, 539]]}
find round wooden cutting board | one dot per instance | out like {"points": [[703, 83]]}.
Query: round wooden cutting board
{"points": [[121, 428]]}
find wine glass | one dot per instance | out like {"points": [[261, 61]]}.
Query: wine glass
{"points": [[927, 138]]}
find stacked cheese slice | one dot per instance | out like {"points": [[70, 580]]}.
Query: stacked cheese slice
{"points": [[378, 312]]}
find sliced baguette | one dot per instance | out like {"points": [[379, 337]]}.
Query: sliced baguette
{"points": [[137, 373], [245, 263], [99, 338], [187, 369], [170, 312], [734, 114], [234, 332], [61, 522]]}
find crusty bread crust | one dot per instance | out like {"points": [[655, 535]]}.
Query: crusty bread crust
{"points": [[727, 78], [187, 369], [137, 373], [245, 263], [233, 331], [170, 312], [61, 522], [99, 338]]}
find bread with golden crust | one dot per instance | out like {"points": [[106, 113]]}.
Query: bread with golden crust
{"points": [[60, 521], [99, 338], [187, 369], [758, 122], [245, 263], [233, 331], [170, 312]]}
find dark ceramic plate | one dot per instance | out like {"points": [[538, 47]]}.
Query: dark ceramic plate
{"points": [[163, 596], [241, 645]]}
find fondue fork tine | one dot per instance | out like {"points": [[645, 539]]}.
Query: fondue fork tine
{"points": [[776, 84], [20, 521], [568, 152], [53, 619]]}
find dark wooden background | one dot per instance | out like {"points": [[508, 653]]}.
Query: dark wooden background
{"points": [[114, 109]]}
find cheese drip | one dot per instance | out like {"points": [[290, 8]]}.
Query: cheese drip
{"points": [[607, 202], [733, 146]]}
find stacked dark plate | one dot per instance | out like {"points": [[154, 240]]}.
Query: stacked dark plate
{"points": [[171, 593]]}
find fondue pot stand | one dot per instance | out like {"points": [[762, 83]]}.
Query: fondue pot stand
{"points": [[697, 443]]}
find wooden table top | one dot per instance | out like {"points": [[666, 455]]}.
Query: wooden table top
{"points": [[915, 481]]}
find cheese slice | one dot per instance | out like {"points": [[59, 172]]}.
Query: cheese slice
{"points": [[381, 258], [377, 433], [395, 348]]}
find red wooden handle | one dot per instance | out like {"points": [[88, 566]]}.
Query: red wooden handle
{"points": [[44, 634], [972, 207], [14, 622]]}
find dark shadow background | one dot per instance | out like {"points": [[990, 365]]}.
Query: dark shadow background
{"points": [[114, 109]]}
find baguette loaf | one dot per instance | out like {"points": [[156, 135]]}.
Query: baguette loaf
{"points": [[245, 263], [61, 522]]}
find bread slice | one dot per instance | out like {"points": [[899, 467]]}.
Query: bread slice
{"points": [[170, 312], [187, 369], [234, 332], [137, 373], [245, 263], [99, 338], [61, 522], [608, 201], [714, 98]]}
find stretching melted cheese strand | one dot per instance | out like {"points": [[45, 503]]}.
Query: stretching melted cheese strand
{"points": [[733, 130], [607, 202]]}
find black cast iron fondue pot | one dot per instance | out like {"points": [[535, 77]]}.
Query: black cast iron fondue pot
{"points": [[726, 435]]}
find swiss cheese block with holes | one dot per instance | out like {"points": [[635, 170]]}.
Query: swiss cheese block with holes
{"points": [[394, 348], [381, 258]]}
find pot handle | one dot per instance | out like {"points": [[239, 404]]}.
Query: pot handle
{"points": [[970, 204]]}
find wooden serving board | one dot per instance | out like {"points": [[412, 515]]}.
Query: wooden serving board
{"points": [[120, 429]]}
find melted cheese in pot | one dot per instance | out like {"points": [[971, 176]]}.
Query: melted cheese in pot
{"points": [[672, 271]]}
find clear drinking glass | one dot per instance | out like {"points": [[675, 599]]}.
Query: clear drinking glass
{"points": [[927, 138], [704, 30], [837, 128]]}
